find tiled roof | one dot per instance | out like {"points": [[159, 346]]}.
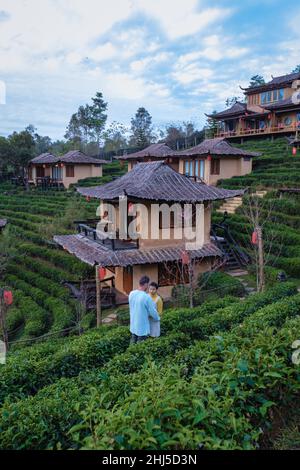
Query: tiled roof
{"points": [[154, 150], [92, 252], [73, 157], [281, 81], [157, 181], [218, 146], [236, 109]]}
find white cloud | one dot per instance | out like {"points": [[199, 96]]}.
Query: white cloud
{"points": [[144, 64], [192, 73], [181, 18], [215, 48]]}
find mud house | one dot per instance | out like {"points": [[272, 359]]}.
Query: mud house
{"points": [[163, 258], [65, 170], [210, 161], [270, 109]]}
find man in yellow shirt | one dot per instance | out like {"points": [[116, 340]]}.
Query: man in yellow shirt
{"points": [[155, 325]]}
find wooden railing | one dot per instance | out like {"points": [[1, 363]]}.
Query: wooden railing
{"points": [[102, 238], [266, 130]]}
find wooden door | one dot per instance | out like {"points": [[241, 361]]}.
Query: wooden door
{"points": [[128, 279]]}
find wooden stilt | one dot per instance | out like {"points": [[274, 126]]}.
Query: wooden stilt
{"points": [[98, 297]]}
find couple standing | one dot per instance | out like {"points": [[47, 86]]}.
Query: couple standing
{"points": [[145, 309]]}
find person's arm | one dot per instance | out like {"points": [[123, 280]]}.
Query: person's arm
{"points": [[159, 305], [152, 310]]}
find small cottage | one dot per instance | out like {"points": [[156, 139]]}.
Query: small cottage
{"points": [[150, 187], [65, 170], [210, 161]]}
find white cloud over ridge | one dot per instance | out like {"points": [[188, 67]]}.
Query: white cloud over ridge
{"points": [[171, 56]]}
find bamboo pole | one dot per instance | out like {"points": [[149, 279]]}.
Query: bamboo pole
{"points": [[2, 321], [98, 297]]}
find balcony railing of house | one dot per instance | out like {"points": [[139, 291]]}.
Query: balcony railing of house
{"points": [[265, 130], [101, 237], [45, 182]]}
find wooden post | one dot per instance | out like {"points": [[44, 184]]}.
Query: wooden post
{"points": [[2, 321], [260, 259], [98, 297]]}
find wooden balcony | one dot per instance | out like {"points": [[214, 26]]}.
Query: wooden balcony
{"points": [[256, 132], [101, 237]]}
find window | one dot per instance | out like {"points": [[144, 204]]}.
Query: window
{"points": [[280, 94], [215, 167], [263, 98], [70, 173], [287, 121], [172, 273], [269, 96], [275, 95], [57, 173], [40, 172], [199, 168], [189, 168], [298, 120]]}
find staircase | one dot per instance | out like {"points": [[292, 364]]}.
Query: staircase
{"points": [[234, 257], [231, 205]]}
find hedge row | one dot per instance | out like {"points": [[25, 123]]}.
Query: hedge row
{"points": [[221, 407], [44, 421]]}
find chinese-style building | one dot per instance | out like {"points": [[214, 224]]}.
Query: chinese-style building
{"points": [[269, 109], [211, 160], [162, 257]]}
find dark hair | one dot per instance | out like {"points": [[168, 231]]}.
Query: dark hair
{"points": [[153, 284], [144, 280]]}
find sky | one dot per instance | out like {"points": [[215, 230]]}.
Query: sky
{"points": [[179, 59]]}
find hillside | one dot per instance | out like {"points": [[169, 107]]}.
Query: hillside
{"points": [[216, 377], [36, 267], [212, 381], [277, 168]]}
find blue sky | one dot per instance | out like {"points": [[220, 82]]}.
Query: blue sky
{"points": [[178, 58]]}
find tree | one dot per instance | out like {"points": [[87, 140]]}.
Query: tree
{"points": [[256, 80], [5, 152], [141, 129], [212, 126], [98, 117], [173, 135], [22, 147], [87, 125], [259, 212], [296, 69], [232, 100], [74, 133], [115, 137]]}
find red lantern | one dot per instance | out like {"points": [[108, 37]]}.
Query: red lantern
{"points": [[130, 207], [88, 198], [8, 297], [254, 238], [269, 116], [294, 151], [209, 158], [185, 257], [101, 273]]}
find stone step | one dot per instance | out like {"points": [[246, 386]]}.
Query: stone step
{"points": [[237, 273]]}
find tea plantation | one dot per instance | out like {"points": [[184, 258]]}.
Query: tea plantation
{"points": [[277, 168], [212, 381], [35, 266]]}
